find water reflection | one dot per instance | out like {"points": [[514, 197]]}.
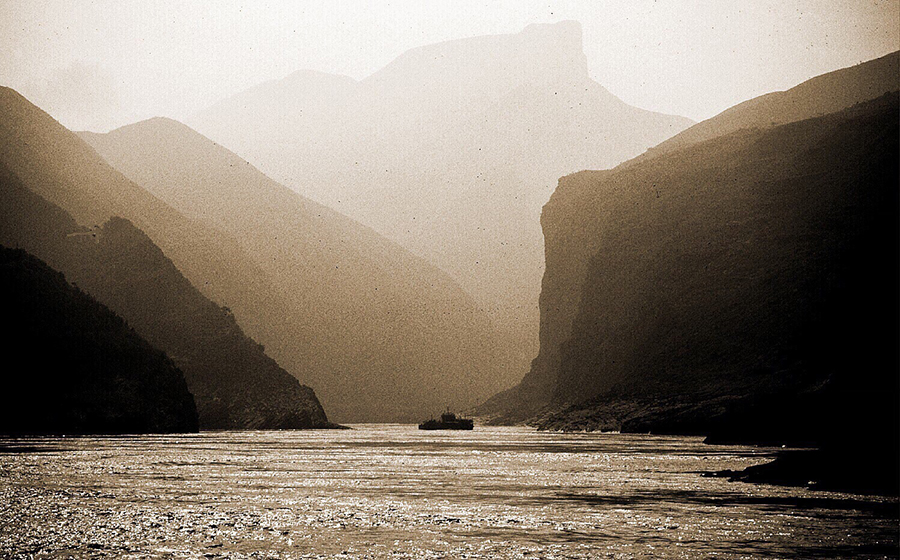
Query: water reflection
{"points": [[394, 491]]}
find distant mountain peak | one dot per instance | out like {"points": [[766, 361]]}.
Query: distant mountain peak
{"points": [[156, 123], [158, 133]]}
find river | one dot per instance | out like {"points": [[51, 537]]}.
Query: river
{"points": [[392, 491]]}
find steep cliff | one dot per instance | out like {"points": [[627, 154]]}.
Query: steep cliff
{"points": [[755, 263], [658, 218], [743, 288]]}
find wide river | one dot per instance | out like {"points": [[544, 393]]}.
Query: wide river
{"points": [[392, 491]]}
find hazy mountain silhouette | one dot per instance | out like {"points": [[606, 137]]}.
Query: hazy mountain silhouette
{"points": [[402, 344], [379, 333], [74, 367], [234, 383], [60, 167], [649, 233], [450, 150]]}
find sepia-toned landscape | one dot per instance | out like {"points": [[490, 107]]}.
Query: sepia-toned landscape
{"points": [[401, 280]]}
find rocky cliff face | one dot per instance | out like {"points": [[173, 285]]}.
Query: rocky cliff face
{"points": [[722, 275], [752, 299], [755, 263], [74, 367], [234, 383]]}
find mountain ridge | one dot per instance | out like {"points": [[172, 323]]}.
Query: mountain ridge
{"points": [[570, 249], [350, 286], [823, 94], [123, 267], [449, 150]]}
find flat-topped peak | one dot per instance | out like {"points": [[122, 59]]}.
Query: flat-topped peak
{"points": [[546, 52], [566, 28]]}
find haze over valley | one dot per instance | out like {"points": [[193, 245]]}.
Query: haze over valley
{"points": [[450, 150], [624, 256]]}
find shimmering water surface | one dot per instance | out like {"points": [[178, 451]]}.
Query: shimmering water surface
{"points": [[392, 491]]}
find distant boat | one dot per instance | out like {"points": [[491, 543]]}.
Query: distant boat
{"points": [[448, 421]]}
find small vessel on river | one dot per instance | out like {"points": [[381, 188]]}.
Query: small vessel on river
{"points": [[448, 421]]}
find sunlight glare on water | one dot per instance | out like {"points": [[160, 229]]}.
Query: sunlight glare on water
{"points": [[392, 491]]}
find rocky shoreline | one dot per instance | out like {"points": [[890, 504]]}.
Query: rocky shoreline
{"points": [[820, 470]]}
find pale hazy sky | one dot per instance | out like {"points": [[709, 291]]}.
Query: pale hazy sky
{"points": [[98, 65]]}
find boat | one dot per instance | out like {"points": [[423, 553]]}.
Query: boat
{"points": [[448, 421]]}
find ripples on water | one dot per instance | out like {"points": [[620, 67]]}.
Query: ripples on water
{"points": [[396, 492]]}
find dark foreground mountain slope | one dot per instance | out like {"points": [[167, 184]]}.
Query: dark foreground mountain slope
{"points": [[380, 333], [74, 367], [583, 215], [744, 287], [234, 383], [753, 260]]}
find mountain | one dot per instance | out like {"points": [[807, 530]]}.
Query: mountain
{"points": [[751, 297], [234, 383], [743, 288], [55, 164], [768, 266], [75, 367], [450, 150], [818, 96], [669, 214], [379, 333]]}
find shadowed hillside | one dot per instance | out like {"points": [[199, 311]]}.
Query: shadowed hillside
{"points": [[744, 287], [731, 276], [370, 335], [781, 328], [631, 214], [382, 334], [450, 150], [234, 383], [75, 367]]}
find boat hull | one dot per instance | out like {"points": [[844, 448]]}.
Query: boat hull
{"points": [[435, 425]]}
